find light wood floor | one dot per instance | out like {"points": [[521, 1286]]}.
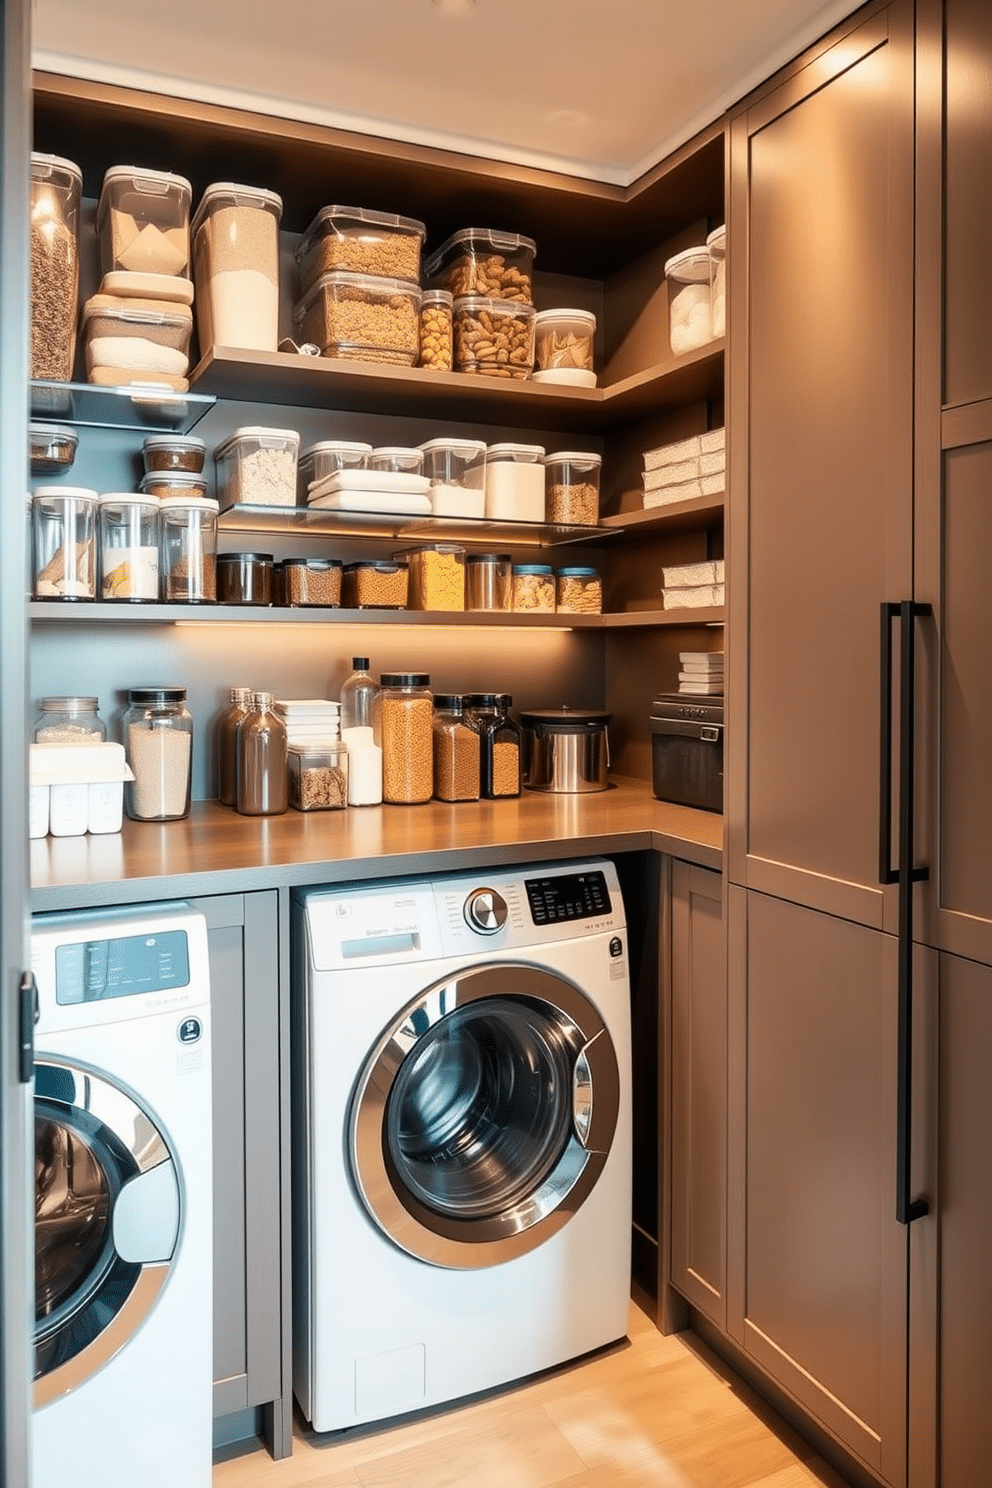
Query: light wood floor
{"points": [[651, 1413]]}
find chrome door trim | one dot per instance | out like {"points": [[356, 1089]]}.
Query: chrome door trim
{"points": [[460, 1243]]}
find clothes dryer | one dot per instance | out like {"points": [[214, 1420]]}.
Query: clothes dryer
{"points": [[123, 1200], [462, 1134]]}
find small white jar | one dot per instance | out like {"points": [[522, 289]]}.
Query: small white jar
{"points": [[515, 483]]}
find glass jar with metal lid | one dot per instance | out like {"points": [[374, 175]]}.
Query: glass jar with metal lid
{"points": [[457, 751], [405, 716], [244, 578], [69, 720], [158, 745], [578, 591]]}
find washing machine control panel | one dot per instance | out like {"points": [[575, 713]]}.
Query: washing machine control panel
{"points": [[568, 896], [486, 911]]}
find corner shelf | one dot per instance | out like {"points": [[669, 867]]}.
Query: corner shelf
{"points": [[154, 410], [303, 521], [682, 516]]}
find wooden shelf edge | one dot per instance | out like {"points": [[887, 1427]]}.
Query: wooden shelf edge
{"points": [[98, 613], [630, 619], [966, 423], [683, 514]]}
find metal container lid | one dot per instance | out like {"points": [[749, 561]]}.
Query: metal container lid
{"points": [[565, 720], [404, 679]]}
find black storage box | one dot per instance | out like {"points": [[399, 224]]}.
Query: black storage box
{"points": [[687, 750]]}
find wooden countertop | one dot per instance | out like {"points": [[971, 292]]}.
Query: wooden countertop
{"points": [[216, 851]]}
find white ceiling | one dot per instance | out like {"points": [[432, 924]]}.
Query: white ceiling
{"points": [[601, 89]]}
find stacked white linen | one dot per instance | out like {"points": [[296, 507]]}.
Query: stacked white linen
{"points": [[686, 469]]}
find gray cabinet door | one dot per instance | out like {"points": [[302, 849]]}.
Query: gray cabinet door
{"points": [[817, 1283], [821, 390]]}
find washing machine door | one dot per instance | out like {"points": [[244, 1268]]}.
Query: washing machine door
{"points": [[484, 1115], [107, 1216]]}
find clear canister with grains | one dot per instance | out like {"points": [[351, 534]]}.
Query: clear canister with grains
{"points": [[437, 577], [578, 591], [405, 731], [188, 548], [571, 489], [235, 237], [56, 186], [129, 544], [375, 584], [436, 348], [457, 749], [158, 745], [317, 776], [534, 588], [69, 720]]}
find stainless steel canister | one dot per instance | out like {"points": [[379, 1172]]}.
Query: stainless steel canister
{"points": [[565, 749]]}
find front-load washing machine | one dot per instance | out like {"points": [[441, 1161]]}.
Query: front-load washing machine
{"points": [[462, 1134], [123, 1200]]}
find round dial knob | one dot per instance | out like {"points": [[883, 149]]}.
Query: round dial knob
{"points": [[486, 911]]}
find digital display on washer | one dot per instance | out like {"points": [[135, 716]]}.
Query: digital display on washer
{"points": [[570, 896], [123, 966]]}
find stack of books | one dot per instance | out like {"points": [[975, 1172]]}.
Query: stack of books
{"points": [[682, 471], [701, 673]]}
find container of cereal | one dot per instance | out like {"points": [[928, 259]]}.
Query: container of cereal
{"points": [[534, 588], [563, 347], [257, 467], [456, 470], [493, 338], [687, 276], [158, 740], [716, 244], [244, 578], [405, 730], [326, 458], [317, 776], [437, 577], [235, 237], [63, 522], [311, 581], [361, 317], [143, 221], [483, 261], [129, 544], [56, 185], [578, 591], [375, 584], [456, 751], [183, 454], [488, 581], [515, 482], [436, 351], [571, 488], [188, 550], [362, 242]]}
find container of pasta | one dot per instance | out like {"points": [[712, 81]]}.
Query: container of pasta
{"points": [[362, 242], [361, 317], [437, 577]]}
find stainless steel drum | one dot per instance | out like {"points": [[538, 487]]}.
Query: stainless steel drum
{"points": [[565, 749]]}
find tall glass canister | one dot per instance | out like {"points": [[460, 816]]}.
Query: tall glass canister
{"points": [[158, 745], [262, 786]]}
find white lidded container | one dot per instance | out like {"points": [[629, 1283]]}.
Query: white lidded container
{"points": [[143, 221], [188, 548], [515, 482], [257, 467], [63, 521], [688, 278], [129, 544], [456, 469], [563, 347], [76, 788], [572, 487], [326, 458], [716, 245], [235, 237]]}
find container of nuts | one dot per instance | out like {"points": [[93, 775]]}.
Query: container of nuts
{"points": [[435, 330], [493, 337], [437, 577], [362, 242], [317, 776], [361, 317], [482, 261], [571, 487], [375, 584]]}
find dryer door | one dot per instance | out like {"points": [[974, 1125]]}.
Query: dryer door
{"points": [[484, 1115], [107, 1212]]}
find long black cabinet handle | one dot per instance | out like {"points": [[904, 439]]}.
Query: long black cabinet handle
{"points": [[887, 873], [907, 873]]}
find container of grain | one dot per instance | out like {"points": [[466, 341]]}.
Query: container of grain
{"points": [[188, 549], [142, 218], [56, 185], [244, 578], [311, 581], [136, 337], [437, 577], [158, 744], [687, 276], [571, 488], [563, 347], [405, 730], [69, 720], [257, 467], [362, 242], [456, 470], [484, 261], [325, 458], [317, 776], [183, 454], [456, 751], [375, 584], [63, 523], [52, 448], [492, 337], [129, 546], [500, 743], [361, 317], [578, 591], [534, 588], [515, 482], [235, 236]]}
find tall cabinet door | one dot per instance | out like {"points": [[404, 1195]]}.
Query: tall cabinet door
{"points": [[821, 390]]}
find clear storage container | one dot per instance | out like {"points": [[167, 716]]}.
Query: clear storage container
{"points": [[69, 720], [456, 470], [362, 242], [716, 244], [492, 337], [571, 488], [188, 554], [129, 546], [180, 454], [456, 751], [483, 261], [142, 219], [437, 577], [488, 581], [405, 730], [360, 317], [687, 276], [235, 237], [165, 483], [326, 458], [515, 482], [375, 584], [534, 588], [317, 776], [257, 467], [244, 578], [52, 448], [56, 185], [141, 341], [63, 521], [397, 459], [578, 591], [563, 347], [436, 347], [311, 581], [158, 744]]}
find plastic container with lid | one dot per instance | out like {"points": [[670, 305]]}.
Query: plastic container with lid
{"points": [[515, 483], [375, 584], [437, 577], [76, 788], [244, 578], [405, 731], [687, 276], [716, 245], [484, 261], [436, 348], [360, 317], [311, 581], [166, 483], [261, 768], [69, 720], [457, 749], [129, 546], [317, 776], [571, 487], [456, 470], [56, 186], [500, 752], [133, 337], [142, 218], [182, 454], [52, 448], [534, 588], [397, 458], [326, 458], [158, 744], [488, 581], [63, 522], [257, 467], [235, 237], [578, 591], [563, 347], [492, 337], [188, 552], [362, 242]]}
